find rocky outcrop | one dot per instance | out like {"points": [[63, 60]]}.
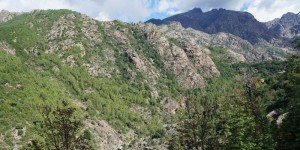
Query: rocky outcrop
{"points": [[106, 137], [188, 61], [242, 48], [6, 47], [6, 15]]}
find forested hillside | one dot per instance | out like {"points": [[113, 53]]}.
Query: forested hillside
{"points": [[117, 85]]}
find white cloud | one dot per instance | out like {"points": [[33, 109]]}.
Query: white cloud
{"points": [[263, 10], [205, 5], [103, 17], [137, 10], [126, 10], [266, 10], [173, 12], [28, 5]]}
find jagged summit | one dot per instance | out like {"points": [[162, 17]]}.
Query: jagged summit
{"points": [[196, 10], [288, 26], [242, 24]]}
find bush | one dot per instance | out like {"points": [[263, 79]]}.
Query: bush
{"points": [[20, 132]]}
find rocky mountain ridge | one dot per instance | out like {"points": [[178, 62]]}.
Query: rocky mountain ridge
{"points": [[288, 26], [221, 20], [280, 31]]}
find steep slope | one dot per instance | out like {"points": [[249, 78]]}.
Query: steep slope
{"points": [[241, 48], [126, 89], [241, 24]]}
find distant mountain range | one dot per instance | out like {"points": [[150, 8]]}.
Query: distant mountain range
{"points": [[242, 24]]}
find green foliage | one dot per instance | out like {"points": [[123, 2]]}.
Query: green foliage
{"points": [[297, 43], [22, 91], [269, 68], [60, 129], [168, 85], [228, 116], [222, 61], [20, 132], [19, 30], [141, 45], [287, 135]]}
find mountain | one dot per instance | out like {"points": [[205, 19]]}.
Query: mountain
{"points": [[125, 79], [129, 82], [288, 26], [241, 24]]}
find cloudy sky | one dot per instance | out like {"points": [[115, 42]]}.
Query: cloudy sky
{"points": [[142, 10]]}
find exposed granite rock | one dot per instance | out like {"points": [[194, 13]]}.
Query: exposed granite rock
{"points": [[281, 118], [90, 29], [144, 112], [95, 67], [62, 28], [6, 47], [107, 137], [236, 57], [170, 106], [2, 142], [6, 15], [188, 61]]}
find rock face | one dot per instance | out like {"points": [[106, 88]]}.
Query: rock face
{"points": [[6, 15], [242, 48], [188, 60], [288, 26], [241, 24], [7, 48], [109, 139]]}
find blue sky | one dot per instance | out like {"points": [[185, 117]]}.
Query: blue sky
{"points": [[142, 10], [245, 7]]}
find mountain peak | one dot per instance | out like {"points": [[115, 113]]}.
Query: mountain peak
{"points": [[196, 10], [290, 15], [287, 26], [221, 20]]}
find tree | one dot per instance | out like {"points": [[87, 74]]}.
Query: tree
{"points": [[61, 130], [226, 116], [288, 133], [201, 122], [201, 128], [255, 93], [297, 42]]}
